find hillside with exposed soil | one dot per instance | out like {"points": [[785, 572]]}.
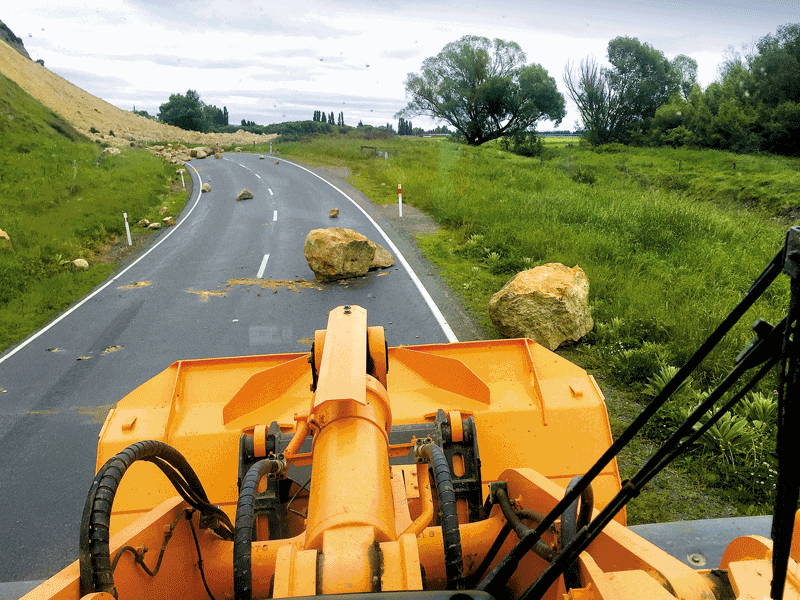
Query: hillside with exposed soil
{"points": [[90, 114]]}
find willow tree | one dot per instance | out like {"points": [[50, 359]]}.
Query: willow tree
{"points": [[484, 89]]}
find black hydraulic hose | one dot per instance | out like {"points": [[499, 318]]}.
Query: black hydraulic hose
{"points": [[243, 531], [513, 517], [451, 536], [96, 574], [571, 522]]}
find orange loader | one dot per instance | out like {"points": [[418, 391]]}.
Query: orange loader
{"points": [[473, 470]]}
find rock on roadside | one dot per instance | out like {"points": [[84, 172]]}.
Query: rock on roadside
{"points": [[548, 304]]}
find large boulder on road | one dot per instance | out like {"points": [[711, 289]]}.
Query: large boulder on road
{"points": [[549, 304], [382, 259], [337, 253]]}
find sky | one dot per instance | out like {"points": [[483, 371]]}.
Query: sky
{"points": [[271, 62]]}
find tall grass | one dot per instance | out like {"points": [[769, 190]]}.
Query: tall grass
{"points": [[666, 263], [61, 198]]}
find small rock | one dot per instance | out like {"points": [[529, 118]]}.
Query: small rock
{"points": [[168, 221], [80, 263], [277, 162], [5, 241], [112, 150], [333, 213], [262, 157], [237, 149], [206, 187], [154, 226], [245, 194], [163, 210], [217, 154], [143, 223]]}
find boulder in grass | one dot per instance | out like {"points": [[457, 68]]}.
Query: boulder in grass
{"points": [[5, 241], [168, 221], [549, 304], [337, 253], [245, 194], [143, 223], [154, 226], [80, 263]]}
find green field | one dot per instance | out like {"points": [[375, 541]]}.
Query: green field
{"points": [[670, 241], [62, 198]]}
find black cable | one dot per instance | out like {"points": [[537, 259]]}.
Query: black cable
{"points": [[243, 531], [138, 557], [199, 558], [451, 535], [96, 574]]}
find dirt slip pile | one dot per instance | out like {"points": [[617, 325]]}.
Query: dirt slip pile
{"points": [[86, 112]]}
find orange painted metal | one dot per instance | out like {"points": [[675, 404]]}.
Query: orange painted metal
{"points": [[363, 525]]}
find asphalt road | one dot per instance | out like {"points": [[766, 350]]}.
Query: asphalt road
{"points": [[178, 300]]}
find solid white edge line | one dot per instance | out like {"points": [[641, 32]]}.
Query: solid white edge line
{"points": [[110, 281], [262, 267], [437, 314]]}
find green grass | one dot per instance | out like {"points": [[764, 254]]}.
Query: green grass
{"points": [[670, 241], [62, 198]]}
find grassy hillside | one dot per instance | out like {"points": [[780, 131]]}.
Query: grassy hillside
{"points": [[670, 241], [62, 198]]}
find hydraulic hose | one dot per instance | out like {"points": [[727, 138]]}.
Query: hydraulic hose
{"points": [[513, 517], [96, 574], [243, 531], [451, 536], [571, 523]]}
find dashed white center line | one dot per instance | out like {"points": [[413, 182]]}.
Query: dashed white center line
{"points": [[241, 165], [274, 216], [270, 191], [257, 175], [262, 267]]}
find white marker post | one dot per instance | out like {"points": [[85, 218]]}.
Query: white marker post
{"points": [[400, 198], [182, 181], [127, 228], [270, 147]]}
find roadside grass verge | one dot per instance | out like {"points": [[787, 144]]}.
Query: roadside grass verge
{"points": [[62, 198], [670, 241]]}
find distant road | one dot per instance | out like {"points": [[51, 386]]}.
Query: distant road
{"points": [[196, 294]]}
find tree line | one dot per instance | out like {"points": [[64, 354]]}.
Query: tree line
{"points": [[486, 91]]}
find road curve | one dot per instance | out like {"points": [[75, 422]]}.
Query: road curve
{"points": [[229, 280]]}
